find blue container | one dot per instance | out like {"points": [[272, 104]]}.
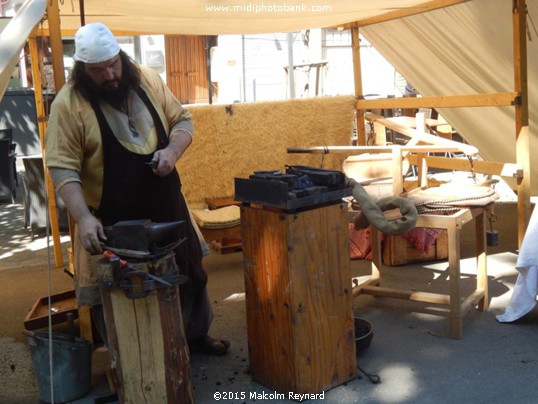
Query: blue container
{"points": [[71, 369]]}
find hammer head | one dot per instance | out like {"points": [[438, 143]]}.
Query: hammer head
{"points": [[143, 235]]}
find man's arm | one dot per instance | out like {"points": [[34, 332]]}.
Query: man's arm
{"points": [[90, 230]]}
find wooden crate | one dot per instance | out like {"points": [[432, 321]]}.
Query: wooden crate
{"points": [[399, 251], [299, 300], [61, 304]]}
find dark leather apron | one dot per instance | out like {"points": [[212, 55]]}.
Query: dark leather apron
{"points": [[132, 191]]}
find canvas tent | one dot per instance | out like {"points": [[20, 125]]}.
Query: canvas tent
{"points": [[444, 47]]}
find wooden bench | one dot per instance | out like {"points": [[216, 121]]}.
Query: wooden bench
{"points": [[457, 307]]}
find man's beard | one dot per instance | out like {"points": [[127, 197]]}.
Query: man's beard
{"points": [[116, 97]]}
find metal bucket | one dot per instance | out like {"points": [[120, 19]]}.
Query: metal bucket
{"points": [[364, 332], [71, 368]]}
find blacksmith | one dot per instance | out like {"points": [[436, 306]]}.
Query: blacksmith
{"points": [[107, 124]]}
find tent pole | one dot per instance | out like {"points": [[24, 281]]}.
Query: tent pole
{"points": [[519, 15], [357, 75], [42, 125]]}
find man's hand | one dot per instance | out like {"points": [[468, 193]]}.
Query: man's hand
{"points": [[90, 232], [165, 161], [167, 158]]}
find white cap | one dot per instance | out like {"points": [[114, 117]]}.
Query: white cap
{"points": [[94, 43]]}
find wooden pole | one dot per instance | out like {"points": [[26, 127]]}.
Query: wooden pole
{"points": [[357, 75], [519, 14], [42, 125], [55, 35]]}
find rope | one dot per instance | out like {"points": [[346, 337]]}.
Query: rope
{"points": [[49, 304]]}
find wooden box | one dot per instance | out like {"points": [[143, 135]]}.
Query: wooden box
{"points": [[399, 251], [61, 304], [298, 297]]}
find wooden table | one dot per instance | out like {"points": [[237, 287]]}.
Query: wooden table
{"points": [[456, 306]]}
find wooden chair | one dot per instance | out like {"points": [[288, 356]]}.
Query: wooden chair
{"points": [[220, 224]]}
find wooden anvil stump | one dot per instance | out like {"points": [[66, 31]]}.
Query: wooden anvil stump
{"points": [[148, 351]]}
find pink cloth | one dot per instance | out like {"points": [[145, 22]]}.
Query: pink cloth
{"points": [[360, 241], [423, 237]]}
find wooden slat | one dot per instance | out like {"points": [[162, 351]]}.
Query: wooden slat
{"points": [[462, 164], [447, 101], [467, 303], [427, 297], [422, 136], [357, 288], [481, 261]]}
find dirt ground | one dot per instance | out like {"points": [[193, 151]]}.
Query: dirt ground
{"points": [[410, 351]]}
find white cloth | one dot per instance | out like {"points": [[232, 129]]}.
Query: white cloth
{"points": [[523, 297]]}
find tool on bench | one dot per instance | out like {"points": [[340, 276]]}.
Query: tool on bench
{"points": [[137, 283]]}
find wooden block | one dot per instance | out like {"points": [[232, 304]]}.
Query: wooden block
{"points": [[299, 300], [399, 251], [221, 233], [226, 246], [213, 204]]}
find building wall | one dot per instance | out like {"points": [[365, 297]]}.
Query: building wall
{"points": [[252, 67]]}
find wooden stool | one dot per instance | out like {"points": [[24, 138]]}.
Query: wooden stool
{"points": [[456, 306], [220, 224]]}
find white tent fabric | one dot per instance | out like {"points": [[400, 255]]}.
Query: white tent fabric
{"points": [[220, 17], [466, 49], [462, 49], [13, 38]]}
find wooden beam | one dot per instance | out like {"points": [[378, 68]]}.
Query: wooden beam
{"points": [[66, 32], [357, 75], [449, 101], [53, 17], [462, 164], [519, 15], [403, 12], [422, 136], [412, 295]]}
